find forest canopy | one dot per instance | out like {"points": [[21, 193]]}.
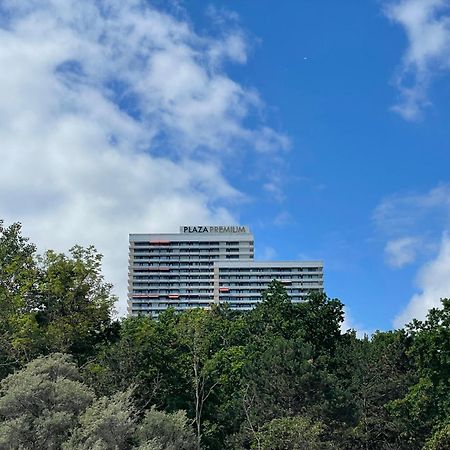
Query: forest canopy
{"points": [[282, 376]]}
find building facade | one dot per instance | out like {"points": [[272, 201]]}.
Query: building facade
{"points": [[240, 283], [208, 264]]}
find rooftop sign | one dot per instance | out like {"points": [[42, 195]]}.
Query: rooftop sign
{"points": [[214, 229]]}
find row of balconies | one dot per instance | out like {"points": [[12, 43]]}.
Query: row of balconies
{"points": [[191, 245], [176, 294], [226, 271], [178, 272], [189, 249], [175, 265], [180, 282], [158, 307], [189, 241], [269, 278], [208, 284], [209, 275], [189, 259], [254, 301]]}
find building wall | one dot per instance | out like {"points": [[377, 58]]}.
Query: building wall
{"points": [[240, 283], [177, 269], [202, 265]]}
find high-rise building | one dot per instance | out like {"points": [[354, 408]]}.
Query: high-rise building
{"points": [[202, 265]]}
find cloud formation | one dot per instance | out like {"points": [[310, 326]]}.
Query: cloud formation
{"points": [[418, 225], [116, 117], [433, 281], [425, 212], [427, 25], [350, 324], [402, 251]]}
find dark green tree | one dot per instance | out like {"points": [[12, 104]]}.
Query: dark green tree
{"points": [[149, 356], [274, 314], [292, 433], [426, 405], [319, 320], [440, 439], [370, 374]]}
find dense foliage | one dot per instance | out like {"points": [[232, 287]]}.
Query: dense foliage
{"points": [[281, 376]]}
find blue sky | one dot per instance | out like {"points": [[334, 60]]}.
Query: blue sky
{"points": [[323, 125]]}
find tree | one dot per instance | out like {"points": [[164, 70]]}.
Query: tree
{"points": [[147, 355], [370, 373], [440, 440], [164, 431], [108, 423], [273, 315], [50, 303], [431, 343], [319, 321], [426, 405], [292, 433], [74, 305], [17, 268], [18, 279], [39, 405], [193, 328]]}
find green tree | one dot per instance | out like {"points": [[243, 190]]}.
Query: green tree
{"points": [[370, 374], [18, 284], [50, 303], [274, 314], [426, 405], [292, 433], [149, 356], [74, 305], [164, 431], [319, 320], [108, 423], [193, 328], [440, 440], [40, 404]]}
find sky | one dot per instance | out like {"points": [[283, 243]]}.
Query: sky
{"points": [[322, 125]]}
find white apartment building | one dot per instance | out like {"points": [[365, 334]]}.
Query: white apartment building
{"points": [[202, 265], [240, 283]]}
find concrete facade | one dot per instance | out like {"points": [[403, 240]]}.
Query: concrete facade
{"points": [[206, 264]]}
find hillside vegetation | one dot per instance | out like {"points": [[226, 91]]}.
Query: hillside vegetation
{"points": [[282, 376]]}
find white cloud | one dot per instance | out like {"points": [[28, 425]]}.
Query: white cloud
{"points": [[418, 225], [232, 46], [115, 118], [427, 25], [274, 189], [283, 218], [350, 324], [402, 214], [402, 251], [434, 283]]}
